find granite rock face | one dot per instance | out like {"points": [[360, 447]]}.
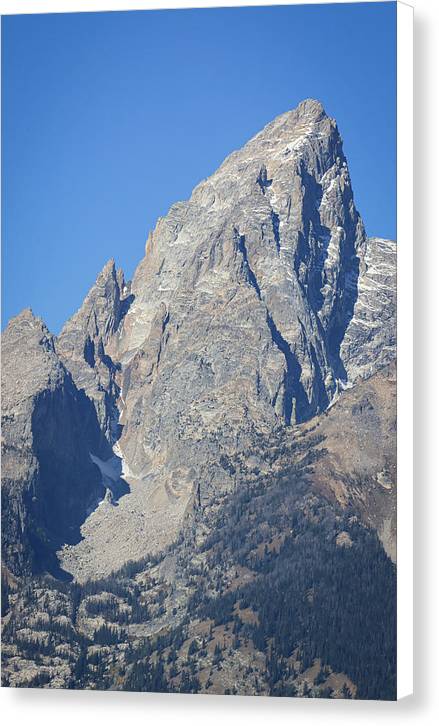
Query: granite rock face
{"points": [[84, 342], [49, 483], [241, 305], [269, 249], [369, 342]]}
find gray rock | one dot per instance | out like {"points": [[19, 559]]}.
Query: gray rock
{"points": [[243, 299], [370, 339], [84, 340], [49, 483]]}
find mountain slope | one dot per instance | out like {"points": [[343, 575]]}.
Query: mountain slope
{"points": [[281, 588], [49, 483], [358, 465], [84, 341]]}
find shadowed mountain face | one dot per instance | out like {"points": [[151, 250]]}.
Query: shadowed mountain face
{"points": [[236, 401], [49, 483]]}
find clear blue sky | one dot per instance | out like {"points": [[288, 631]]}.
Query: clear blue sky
{"points": [[109, 118]]}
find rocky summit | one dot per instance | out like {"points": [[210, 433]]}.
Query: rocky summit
{"points": [[49, 483], [255, 343]]}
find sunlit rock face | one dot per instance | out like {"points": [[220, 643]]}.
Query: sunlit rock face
{"points": [[256, 274], [369, 342], [242, 302], [84, 341]]}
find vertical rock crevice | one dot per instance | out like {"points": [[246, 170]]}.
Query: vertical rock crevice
{"points": [[295, 399]]}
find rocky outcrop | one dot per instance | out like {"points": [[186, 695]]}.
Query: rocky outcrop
{"points": [[85, 340], [243, 300], [269, 249], [369, 342], [49, 483]]}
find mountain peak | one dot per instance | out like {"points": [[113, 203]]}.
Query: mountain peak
{"points": [[101, 304], [83, 343], [29, 360], [26, 323], [25, 314], [310, 108], [108, 270], [303, 120]]}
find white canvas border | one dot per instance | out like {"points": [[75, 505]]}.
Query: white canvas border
{"points": [[405, 349]]}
